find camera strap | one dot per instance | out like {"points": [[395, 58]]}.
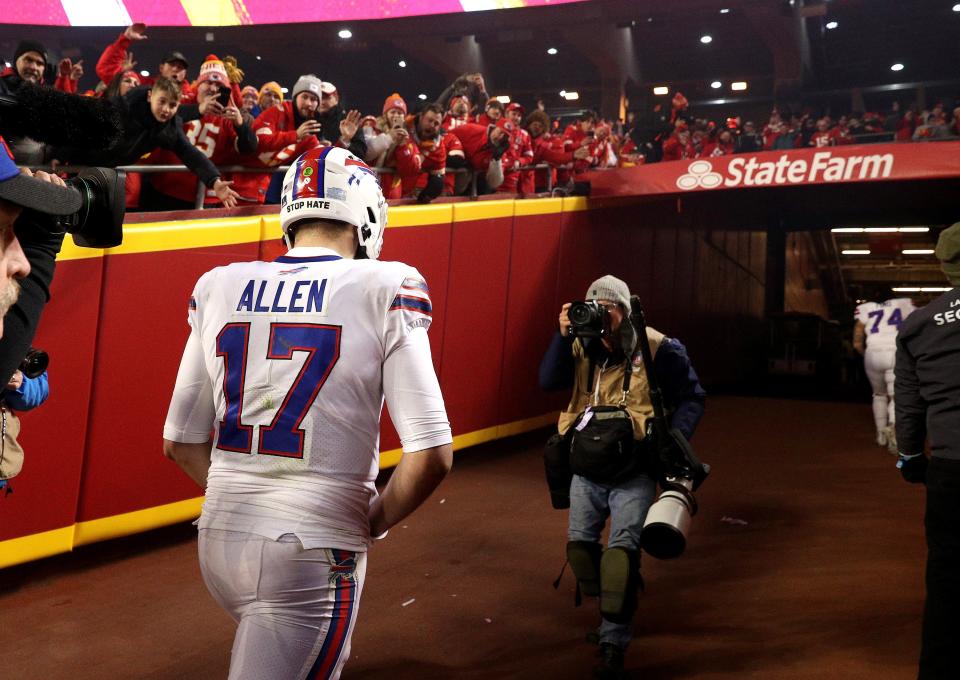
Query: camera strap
{"points": [[639, 322], [595, 385]]}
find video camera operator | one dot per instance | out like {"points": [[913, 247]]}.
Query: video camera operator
{"points": [[600, 358]]}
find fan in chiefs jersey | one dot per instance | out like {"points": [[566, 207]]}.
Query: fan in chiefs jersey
{"points": [[492, 113], [459, 113], [221, 133], [521, 151], [438, 150], [487, 149], [549, 149]]}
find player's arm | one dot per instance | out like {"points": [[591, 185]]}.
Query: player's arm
{"points": [[194, 459], [859, 337], [416, 406], [186, 432]]}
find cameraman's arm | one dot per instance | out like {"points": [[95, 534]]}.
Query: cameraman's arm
{"points": [[681, 386], [557, 365], [41, 248], [31, 393]]}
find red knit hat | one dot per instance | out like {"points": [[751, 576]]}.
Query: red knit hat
{"points": [[514, 106], [213, 70], [394, 101]]}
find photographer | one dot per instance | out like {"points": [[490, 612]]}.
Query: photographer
{"points": [[22, 393], [593, 359]]}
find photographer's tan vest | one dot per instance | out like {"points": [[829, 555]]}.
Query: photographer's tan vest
{"points": [[611, 387]]}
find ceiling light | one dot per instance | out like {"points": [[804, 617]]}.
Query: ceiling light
{"points": [[881, 230], [345, 33], [551, 51], [503, 98], [918, 251], [847, 230], [402, 64], [936, 289], [874, 230], [284, 90], [570, 96], [422, 96], [661, 89], [706, 39], [918, 289], [832, 25], [716, 84], [738, 86], [855, 251], [145, 73], [725, 11], [906, 289], [563, 93], [896, 67], [914, 230], [258, 57], [956, 8]]}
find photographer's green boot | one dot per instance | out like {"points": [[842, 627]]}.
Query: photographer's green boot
{"points": [[584, 558]]}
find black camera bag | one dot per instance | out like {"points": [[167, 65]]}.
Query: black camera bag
{"points": [[604, 449]]}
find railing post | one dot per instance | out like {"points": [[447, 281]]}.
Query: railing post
{"points": [[473, 184], [201, 194]]}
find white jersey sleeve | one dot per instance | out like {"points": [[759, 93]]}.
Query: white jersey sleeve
{"points": [[192, 409]]}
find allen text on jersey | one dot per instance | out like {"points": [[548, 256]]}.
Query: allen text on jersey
{"points": [[283, 296]]}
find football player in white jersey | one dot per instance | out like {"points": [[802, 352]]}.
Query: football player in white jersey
{"points": [[875, 337], [287, 364]]}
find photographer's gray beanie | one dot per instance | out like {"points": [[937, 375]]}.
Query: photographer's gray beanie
{"points": [[308, 83], [610, 288]]}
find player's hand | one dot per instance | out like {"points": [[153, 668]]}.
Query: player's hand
{"points": [[564, 320], [136, 31], [307, 128], [913, 468], [349, 125], [226, 195], [16, 380]]}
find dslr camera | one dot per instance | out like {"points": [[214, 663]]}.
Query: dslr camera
{"points": [[588, 319]]}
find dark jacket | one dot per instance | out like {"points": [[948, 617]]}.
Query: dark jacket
{"points": [[330, 130], [143, 133], [682, 393], [928, 378]]}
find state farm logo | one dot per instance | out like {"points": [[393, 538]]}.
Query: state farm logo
{"points": [[823, 167], [699, 174]]}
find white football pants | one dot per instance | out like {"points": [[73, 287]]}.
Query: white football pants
{"points": [[295, 608], [878, 364]]}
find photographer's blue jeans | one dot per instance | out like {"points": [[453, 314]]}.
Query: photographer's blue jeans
{"points": [[626, 504]]}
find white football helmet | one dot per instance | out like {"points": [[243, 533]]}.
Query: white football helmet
{"points": [[331, 183]]}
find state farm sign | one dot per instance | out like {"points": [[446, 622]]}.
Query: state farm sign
{"points": [[749, 171]]}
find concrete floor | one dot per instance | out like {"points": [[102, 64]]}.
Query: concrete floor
{"points": [[806, 561]]}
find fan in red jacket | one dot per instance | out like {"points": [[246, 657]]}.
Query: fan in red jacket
{"points": [[221, 136], [438, 150], [459, 113], [487, 149], [402, 154], [547, 148], [521, 151], [116, 59], [823, 136], [679, 145], [491, 113]]}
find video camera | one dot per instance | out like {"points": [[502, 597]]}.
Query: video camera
{"points": [[61, 119], [34, 363]]}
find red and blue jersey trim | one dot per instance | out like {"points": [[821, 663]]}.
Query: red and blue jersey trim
{"points": [[344, 582], [413, 304]]}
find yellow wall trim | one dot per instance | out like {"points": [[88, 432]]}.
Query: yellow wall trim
{"points": [[482, 210], [35, 546], [134, 522]]}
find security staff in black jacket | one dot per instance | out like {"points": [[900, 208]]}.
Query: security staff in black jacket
{"points": [[928, 406]]}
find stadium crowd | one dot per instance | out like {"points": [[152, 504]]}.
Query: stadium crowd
{"points": [[463, 142]]}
